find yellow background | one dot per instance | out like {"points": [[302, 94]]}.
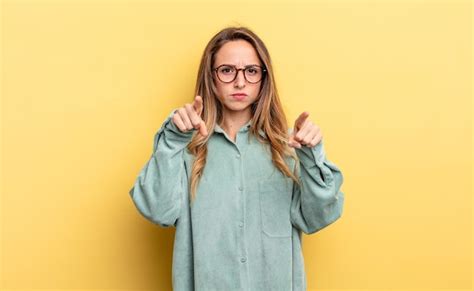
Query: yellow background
{"points": [[86, 84]]}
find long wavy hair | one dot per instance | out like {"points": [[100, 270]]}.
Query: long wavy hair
{"points": [[267, 111]]}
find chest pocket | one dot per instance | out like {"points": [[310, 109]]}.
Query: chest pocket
{"points": [[275, 200]]}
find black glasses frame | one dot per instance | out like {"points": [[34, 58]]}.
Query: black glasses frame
{"points": [[241, 69]]}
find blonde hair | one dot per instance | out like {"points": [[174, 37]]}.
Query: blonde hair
{"points": [[267, 111]]}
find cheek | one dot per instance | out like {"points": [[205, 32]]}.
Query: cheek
{"points": [[254, 93], [218, 87], [223, 90], [256, 90]]}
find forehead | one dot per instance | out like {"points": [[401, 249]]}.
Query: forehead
{"points": [[238, 53]]}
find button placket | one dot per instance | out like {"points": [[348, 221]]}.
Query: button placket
{"points": [[241, 188], [243, 248]]}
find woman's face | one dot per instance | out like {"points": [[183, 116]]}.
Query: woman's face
{"points": [[239, 53]]}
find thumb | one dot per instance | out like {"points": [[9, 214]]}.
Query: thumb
{"points": [[292, 142], [203, 128]]}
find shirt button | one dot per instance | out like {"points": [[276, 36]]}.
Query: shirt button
{"points": [[243, 260], [241, 188], [237, 156], [241, 224]]}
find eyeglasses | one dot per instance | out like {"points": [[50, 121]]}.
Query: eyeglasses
{"points": [[228, 73]]}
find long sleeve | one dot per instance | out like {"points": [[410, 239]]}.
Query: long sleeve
{"points": [[319, 202], [161, 185]]}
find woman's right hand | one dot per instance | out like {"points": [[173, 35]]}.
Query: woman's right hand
{"points": [[188, 117]]}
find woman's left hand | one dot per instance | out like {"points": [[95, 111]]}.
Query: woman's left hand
{"points": [[305, 132]]}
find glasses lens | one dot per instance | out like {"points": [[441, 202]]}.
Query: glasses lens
{"points": [[226, 73], [253, 74]]}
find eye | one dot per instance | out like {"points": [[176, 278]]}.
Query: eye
{"points": [[252, 70], [226, 70]]}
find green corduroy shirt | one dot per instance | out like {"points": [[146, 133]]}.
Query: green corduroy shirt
{"points": [[243, 230]]}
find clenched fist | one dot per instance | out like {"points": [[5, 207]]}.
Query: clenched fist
{"points": [[188, 117]]}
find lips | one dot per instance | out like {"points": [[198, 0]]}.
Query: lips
{"points": [[239, 96]]}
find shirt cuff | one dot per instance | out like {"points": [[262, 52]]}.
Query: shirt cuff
{"points": [[311, 157]]}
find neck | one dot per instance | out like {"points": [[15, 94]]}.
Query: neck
{"points": [[233, 121]]}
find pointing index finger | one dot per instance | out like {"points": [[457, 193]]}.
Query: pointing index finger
{"points": [[197, 104], [300, 120]]}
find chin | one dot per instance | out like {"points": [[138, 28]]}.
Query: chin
{"points": [[237, 106]]}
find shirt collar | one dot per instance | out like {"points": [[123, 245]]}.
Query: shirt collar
{"points": [[244, 127]]}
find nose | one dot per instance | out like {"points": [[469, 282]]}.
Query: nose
{"points": [[239, 79]]}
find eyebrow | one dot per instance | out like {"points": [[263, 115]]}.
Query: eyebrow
{"points": [[250, 65]]}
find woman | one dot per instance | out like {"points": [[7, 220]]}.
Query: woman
{"points": [[237, 184]]}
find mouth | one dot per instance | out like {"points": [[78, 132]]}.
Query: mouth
{"points": [[239, 97]]}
